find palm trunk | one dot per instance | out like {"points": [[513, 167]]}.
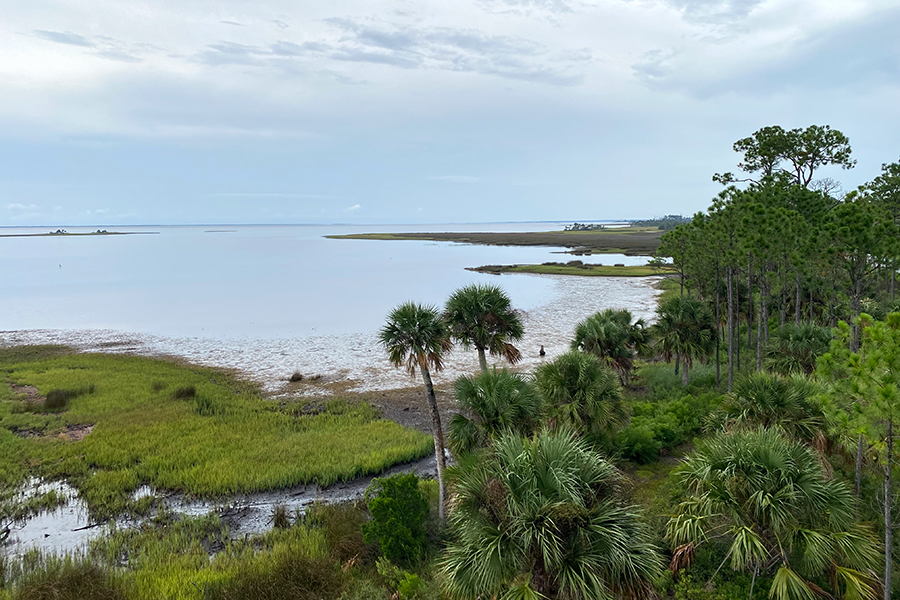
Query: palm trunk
{"points": [[684, 372], [888, 564], [438, 433], [482, 360]]}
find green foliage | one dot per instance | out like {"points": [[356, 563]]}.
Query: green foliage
{"points": [[788, 404], [342, 525], [415, 336], [398, 510], [492, 402], [283, 575], [795, 348], [42, 577], [769, 500], [581, 394], [613, 338], [542, 517], [664, 424], [483, 316], [685, 329]]}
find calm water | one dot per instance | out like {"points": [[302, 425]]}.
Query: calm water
{"points": [[272, 299]]}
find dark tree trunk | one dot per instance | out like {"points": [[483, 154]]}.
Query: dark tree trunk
{"points": [[737, 325], [684, 372], [750, 300], [677, 363], [759, 338], [855, 309], [859, 461], [438, 433], [811, 318], [799, 301], [718, 327], [783, 308], [888, 564], [729, 282], [765, 311], [482, 360]]}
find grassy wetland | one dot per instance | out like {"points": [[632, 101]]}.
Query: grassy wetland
{"points": [[631, 241], [575, 268], [108, 424]]}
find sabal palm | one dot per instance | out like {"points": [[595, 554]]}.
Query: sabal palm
{"points": [[414, 337], [795, 348], [611, 336], [541, 518], [685, 329], [770, 501], [784, 403], [581, 393], [492, 402], [483, 316]]}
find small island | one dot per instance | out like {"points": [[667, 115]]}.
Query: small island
{"points": [[64, 233]]}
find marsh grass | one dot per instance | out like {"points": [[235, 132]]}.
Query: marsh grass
{"points": [[227, 439], [48, 577]]}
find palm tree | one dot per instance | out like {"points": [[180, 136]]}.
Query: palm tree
{"points": [[795, 348], [416, 336], [770, 501], [582, 394], [541, 518], [684, 329], [482, 316], [492, 402], [612, 337], [772, 402]]}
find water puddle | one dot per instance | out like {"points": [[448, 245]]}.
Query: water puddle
{"points": [[69, 528]]}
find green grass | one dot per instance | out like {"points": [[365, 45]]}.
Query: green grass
{"points": [[585, 270], [223, 439]]}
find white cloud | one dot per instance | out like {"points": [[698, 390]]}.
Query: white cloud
{"points": [[352, 209], [19, 207]]}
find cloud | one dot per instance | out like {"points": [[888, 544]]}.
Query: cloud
{"points": [[715, 11], [18, 207], [119, 55], [234, 23], [67, 37], [352, 209], [407, 47]]}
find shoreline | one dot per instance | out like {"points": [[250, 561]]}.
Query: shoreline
{"points": [[77, 234]]}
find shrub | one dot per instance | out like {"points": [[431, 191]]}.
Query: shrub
{"points": [[342, 526], [296, 376], [656, 426], [184, 392], [280, 517], [398, 508], [51, 578], [58, 399], [287, 576]]}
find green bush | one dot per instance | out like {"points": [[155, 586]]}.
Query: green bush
{"points": [[342, 526], [68, 578], [398, 508], [288, 577], [656, 426]]}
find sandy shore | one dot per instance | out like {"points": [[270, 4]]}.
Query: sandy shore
{"points": [[357, 362]]}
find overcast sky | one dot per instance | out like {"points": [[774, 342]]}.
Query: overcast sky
{"points": [[391, 111]]}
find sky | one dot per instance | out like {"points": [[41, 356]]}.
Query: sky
{"points": [[116, 112]]}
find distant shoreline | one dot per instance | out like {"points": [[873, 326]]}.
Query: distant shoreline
{"points": [[631, 241], [77, 234]]}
